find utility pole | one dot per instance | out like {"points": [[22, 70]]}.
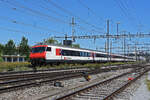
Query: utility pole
{"points": [[118, 28], [136, 51], [110, 49], [73, 30], [105, 47], [107, 40], [128, 49], [124, 44]]}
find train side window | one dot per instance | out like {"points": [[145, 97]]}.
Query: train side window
{"points": [[81, 54], [88, 54], [48, 49]]}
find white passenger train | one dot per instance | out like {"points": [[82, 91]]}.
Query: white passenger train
{"points": [[43, 54]]}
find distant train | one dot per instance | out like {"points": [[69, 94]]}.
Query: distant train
{"points": [[44, 54]]}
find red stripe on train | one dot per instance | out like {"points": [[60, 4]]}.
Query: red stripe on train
{"points": [[58, 52], [40, 46]]}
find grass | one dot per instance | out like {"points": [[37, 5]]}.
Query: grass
{"points": [[89, 65], [147, 82], [23, 66], [15, 66]]}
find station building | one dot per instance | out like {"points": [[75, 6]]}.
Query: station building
{"points": [[13, 58]]}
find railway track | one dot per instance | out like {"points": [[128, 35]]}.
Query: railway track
{"points": [[104, 90], [29, 80], [36, 79], [40, 71], [54, 72], [56, 69], [33, 75]]}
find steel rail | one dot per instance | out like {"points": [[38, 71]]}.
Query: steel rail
{"points": [[125, 86], [75, 75], [30, 84], [69, 95], [20, 76], [89, 87], [43, 70]]}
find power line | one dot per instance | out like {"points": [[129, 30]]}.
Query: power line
{"points": [[125, 10], [31, 11], [92, 11], [129, 11], [17, 31], [70, 13], [51, 18], [13, 30], [79, 26], [42, 5], [29, 25]]}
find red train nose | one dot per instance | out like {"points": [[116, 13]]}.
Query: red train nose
{"points": [[37, 55]]}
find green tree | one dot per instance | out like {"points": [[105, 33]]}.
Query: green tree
{"points": [[10, 48], [1, 49], [1, 60], [24, 48], [76, 45], [51, 41]]}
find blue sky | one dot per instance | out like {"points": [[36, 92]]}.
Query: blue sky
{"points": [[40, 19]]}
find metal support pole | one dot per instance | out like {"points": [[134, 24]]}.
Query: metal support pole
{"points": [[110, 49], [5, 59], [18, 59], [135, 52], [124, 48], [12, 59], [73, 30], [118, 28], [128, 50], [105, 47], [23, 60], [108, 40]]}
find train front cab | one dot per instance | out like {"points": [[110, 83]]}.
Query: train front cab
{"points": [[38, 54]]}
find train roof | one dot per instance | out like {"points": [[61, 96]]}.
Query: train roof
{"points": [[67, 47], [75, 48]]}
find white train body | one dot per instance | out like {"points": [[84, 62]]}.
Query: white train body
{"points": [[42, 54]]}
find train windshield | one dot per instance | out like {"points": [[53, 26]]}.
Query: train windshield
{"points": [[38, 49]]}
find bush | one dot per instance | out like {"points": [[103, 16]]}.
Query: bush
{"points": [[15, 66], [1, 60]]}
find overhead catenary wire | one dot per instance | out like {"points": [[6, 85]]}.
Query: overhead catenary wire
{"points": [[32, 11], [70, 13], [51, 18], [121, 8], [13, 30], [126, 8], [79, 26], [89, 9], [28, 25], [19, 31], [125, 11], [43, 6]]}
